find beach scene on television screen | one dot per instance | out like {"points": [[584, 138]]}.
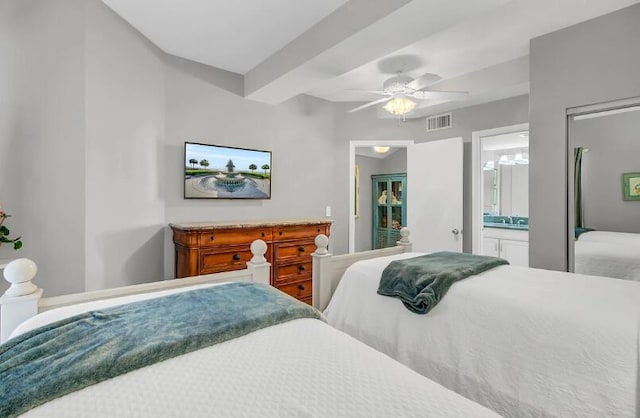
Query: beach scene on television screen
{"points": [[219, 172]]}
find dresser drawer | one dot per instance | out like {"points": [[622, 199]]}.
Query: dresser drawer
{"points": [[302, 249], [233, 237], [297, 232], [215, 262], [299, 290], [293, 272]]}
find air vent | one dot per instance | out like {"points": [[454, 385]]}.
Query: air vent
{"points": [[435, 123]]}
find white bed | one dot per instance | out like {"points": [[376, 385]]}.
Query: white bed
{"points": [[301, 367], [524, 342], [606, 253]]}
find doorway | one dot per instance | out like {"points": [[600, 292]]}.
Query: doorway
{"points": [[433, 192], [360, 211], [500, 197]]}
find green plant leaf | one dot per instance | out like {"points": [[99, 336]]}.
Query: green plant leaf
{"points": [[17, 245], [4, 230]]}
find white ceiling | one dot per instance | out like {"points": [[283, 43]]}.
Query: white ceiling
{"points": [[329, 48]]}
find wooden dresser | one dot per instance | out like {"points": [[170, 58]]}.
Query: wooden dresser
{"points": [[212, 247]]}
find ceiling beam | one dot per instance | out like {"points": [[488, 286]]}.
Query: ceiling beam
{"points": [[288, 72]]}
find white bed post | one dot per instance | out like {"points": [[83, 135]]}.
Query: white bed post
{"points": [[258, 265], [404, 240], [20, 301], [321, 273]]}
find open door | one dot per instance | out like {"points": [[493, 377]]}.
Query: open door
{"points": [[434, 195]]}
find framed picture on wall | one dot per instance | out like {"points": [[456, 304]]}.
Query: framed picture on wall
{"points": [[631, 186]]}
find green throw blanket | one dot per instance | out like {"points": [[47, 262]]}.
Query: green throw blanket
{"points": [[73, 353], [421, 282]]}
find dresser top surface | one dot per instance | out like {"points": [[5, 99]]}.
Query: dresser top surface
{"points": [[186, 226]]}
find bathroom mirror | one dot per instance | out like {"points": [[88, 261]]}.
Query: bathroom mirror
{"points": [[505, 165], [604, 226]]}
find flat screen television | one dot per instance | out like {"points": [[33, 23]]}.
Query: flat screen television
{"points": [[221, 172]]}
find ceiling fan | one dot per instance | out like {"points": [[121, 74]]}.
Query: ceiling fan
{"points": [[403, 92]]}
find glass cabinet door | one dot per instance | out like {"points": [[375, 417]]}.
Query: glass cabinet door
{"points": [[382, 192], [389, 209]]}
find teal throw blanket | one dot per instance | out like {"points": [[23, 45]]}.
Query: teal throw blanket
{"points": [[421, 282], [73, 353]]}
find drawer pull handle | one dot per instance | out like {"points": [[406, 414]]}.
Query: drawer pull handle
{"points": [[301, 287], [210, 237], [262, 234], [301, 249], [301, 268], [236, 257]]}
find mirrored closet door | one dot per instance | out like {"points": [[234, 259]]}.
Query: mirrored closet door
{"points": [[604, 189]]}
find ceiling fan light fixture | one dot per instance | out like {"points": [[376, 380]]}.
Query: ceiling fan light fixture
{"points": [[399, 105], [380, 150]]}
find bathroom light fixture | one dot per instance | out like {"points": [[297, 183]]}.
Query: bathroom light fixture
{"points": [[399, 105], [506, 160], [380, 149]]}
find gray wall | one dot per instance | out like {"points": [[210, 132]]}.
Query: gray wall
{"points": [[124, 194], [92, 126], [42, 136], [364, 125], [614, 147], [592, 62], [514, 190], [299, 133], [394, 163], [368, 166]]}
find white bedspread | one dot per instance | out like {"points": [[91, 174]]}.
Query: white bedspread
{"points": [[300, 368], [525, 342], [611, 254]]}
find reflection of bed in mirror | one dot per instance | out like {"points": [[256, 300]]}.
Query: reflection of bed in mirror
{"points": [[525, 342], [611, 254]]}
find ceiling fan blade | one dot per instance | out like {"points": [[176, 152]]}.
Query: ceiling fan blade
{"points": [[433, 94], [370, 91], [375, 102], [425, 80]]}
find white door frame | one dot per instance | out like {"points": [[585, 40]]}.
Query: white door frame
{"points": [[476, 179], [352, 192]]}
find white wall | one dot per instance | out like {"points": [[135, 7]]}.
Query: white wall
{"points": [[592, 62]]}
